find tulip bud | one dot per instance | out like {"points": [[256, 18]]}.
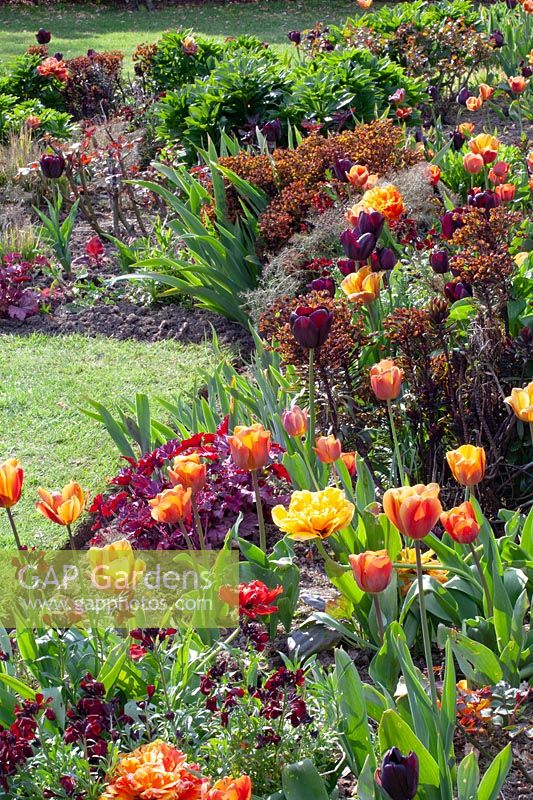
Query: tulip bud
{"points": [[295, 37], [386, 379], [506, 192], [397, 97], [346, 266], [43, 36], [188, 471], [486, 199], [457, 291], [439, 261], [311, 326], [350, 463], [328, 449], [474, 103], [68, 784], [521, 398], [52, 166], [526, 71], [323, 285], [450, 221], [11, 480], [497, 39], [473, 163], [357, 247], [458, 140], [420, 137], [358, 175], [398, 775], [517, 84], [372, 570], [250, 446], [386, 258], [295, 421], [371, 222], [463, 96], [58, 56], [341, 167]]}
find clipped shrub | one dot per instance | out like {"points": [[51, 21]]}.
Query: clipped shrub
{"points": [[93, 85]]}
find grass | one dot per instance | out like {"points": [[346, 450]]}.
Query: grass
{"points": [[43, 382], [77, 28]]}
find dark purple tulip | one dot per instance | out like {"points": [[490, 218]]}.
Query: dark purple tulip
{"points": [[67, 783], [458, 140], [420, 136], [91, 53], [463, 96], [340, 167], [323, 285], [433, 92], [311, 326], [398, 774], [386, 258], [511, 3], [295, 37], [457, 291], [497, 39], [486, 199], [43, 36], [371, 222], [439, 261], [450, 222], [346, 266], [272, 130], [357, 247], [58, 56], [52, 166], [526, 71]]}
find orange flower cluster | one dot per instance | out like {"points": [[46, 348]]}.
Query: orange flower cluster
{"points": [[52, 68], [160, 772], [385, 199]]}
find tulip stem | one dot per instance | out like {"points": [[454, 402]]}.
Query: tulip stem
{"points": [[379, 618], [312, 412], [198, 523], [397, 451], [425, 629], [183, 529], [484, 584], [71, 540], [13, 528], [260, 515]]}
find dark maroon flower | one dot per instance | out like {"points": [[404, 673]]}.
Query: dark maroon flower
{"points": [[43, 36], [526, 71], [340, 167], [295, 37], [451, 221], [323, 285], [150, 691], [420, 136], [357, 246], [457, 291], [386, 258], [497, 39], [439, 261], [371, 222], [346, 266], [511, 3], [486, 200], [272, 130], [463, 95], [52, 166], [68, 784], [58, 56], [311, 326], [458, 140], [398, 774]]}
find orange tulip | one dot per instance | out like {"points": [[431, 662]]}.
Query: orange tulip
{"points": [[467, 464], [485, 91], [466, 128], [521, 401], [188, 471], [349, 463], [461, 523], [473, 163], [474, 103], [414, 510], [486, 146], [172, 505], [295, 421], [434, 174], [385, 199], [364, 4], [11, 480], [358, 175], [250, 446], [328, 449], [506, 192], [386, 379], [62, 507], [231, 789], [362, 286], [517, 83], [372, 570]]}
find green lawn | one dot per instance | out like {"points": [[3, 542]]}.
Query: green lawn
{"points": [[43, 381], [77, 28]]}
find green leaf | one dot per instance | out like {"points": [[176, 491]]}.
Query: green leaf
{"points": [[394, 732], [477, 662], [18, 686], [493, 779], [354, 721], [467, 778], [302, 781]]}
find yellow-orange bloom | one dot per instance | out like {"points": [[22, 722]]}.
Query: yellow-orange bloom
{"points": [[485, 91], [188, 471], [486, 146], [362, 286], [172, 505], [314, 515], [358, 175], [372, 570], [62, 507], [250, 446], [231, 789], [474, 103], [386, 379], [11, 480], [156, 771], [467, 464], [385, 199], [328, 449], [115, 566], [517, 83], [466, 128], [407, 574], [414, 510], [521, 401], [364, 4]]}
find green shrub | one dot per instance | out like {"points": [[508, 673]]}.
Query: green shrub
{"points": [[24, 82], [13, 115]]}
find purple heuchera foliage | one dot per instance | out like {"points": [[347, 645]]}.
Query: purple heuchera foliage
{"points": [[17, 301], [227, 493]]}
